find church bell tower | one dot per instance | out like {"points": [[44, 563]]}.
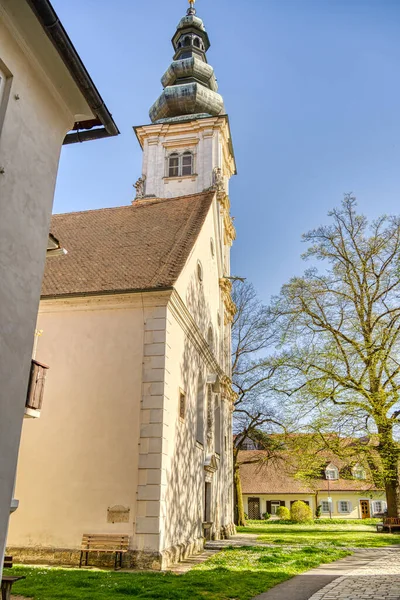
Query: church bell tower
{"points": [[187, 148]]}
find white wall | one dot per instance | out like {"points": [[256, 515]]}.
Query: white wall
{"points": [[32, 128], [81, 456]]}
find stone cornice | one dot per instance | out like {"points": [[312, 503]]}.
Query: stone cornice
{"points": [[106, 301]]}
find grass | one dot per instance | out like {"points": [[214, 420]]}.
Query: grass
{"points": [[359, 522], [320, 535], [233, 574]]}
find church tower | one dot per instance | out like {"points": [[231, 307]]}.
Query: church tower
{"points": [[187, 149]]}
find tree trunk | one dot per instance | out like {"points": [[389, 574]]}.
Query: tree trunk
{"points": [[393, 498], [389, 452], [239, 513]]}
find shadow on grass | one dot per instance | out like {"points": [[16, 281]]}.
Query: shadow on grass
{"points": [[235, 573]]}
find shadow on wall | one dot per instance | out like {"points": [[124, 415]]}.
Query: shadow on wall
{"points": [[186, 474]]}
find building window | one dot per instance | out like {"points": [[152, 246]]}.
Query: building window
{"points": [[173, 165], [212, 248], [187, 163], [199, 271], [359, 473], [275, 504], [379, 507], [200, 411], [331, 472], [180, 165], [325, 506], [210, 338], [344, 506], [182, 405], [217, 427]]}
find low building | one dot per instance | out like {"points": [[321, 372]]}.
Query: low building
{"points": [[341, 491]]}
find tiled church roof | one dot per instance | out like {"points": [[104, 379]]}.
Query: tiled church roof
{"points": [[129, 248]]}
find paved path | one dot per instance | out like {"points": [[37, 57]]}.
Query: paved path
{"points": [[370, 574], [377, 580]]}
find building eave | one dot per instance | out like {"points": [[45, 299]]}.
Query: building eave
{"points": [[103, 125]]}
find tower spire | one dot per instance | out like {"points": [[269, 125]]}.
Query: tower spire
{"points": [[191, 10], [190, 87]]}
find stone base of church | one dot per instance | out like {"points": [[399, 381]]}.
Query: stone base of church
{"points": [[134, 559]]}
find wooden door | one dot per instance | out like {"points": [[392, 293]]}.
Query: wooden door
{"points": [[254, 508], [365, 510]]}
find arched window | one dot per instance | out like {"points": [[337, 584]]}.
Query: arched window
{"points": [[187, 163], [173, 165], [196, 42], [200, 411], [186, 41]]}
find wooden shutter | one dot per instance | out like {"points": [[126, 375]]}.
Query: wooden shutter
{"points": [[283, 503], [269, 506]]}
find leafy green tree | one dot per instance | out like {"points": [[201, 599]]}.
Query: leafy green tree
{"points": [[339, 337]]}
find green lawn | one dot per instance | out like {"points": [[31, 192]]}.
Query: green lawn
{"points": [[239, 574], [318, 535], [234, 574]]}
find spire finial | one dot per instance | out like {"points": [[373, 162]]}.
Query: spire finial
{"points": [[191, 9]]}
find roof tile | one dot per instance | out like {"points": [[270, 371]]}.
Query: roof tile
{"points": [[128, 248]]}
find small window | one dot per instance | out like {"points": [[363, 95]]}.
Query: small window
{"points": [[331, 472], [212, 248], [359, 473], [219, 319], [187, 163], [199, 271], [196, 42], [344, 506], [200, 411], [182, 405], [210, 338], [173, 165], [325, 506], [186, 41]]}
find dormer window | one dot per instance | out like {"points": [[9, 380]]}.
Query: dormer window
{"points": [[359, 472], [180, 165], [331, 472]]}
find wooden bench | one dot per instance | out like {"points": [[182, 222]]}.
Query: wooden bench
{"points": [[104, 543], [389, 523], [6, 585]]}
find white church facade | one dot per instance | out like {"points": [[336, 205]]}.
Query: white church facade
{"points": [[135, 436]]}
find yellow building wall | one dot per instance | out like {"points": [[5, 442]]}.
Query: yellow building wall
{"points": [[352, 497]]}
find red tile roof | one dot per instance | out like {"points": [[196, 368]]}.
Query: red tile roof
{"points": [[129, 248]]}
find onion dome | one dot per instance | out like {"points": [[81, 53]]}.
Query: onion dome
{"points": [[190, 86]]}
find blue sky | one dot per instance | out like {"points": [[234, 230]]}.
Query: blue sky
{"points": [[312, 89]]}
